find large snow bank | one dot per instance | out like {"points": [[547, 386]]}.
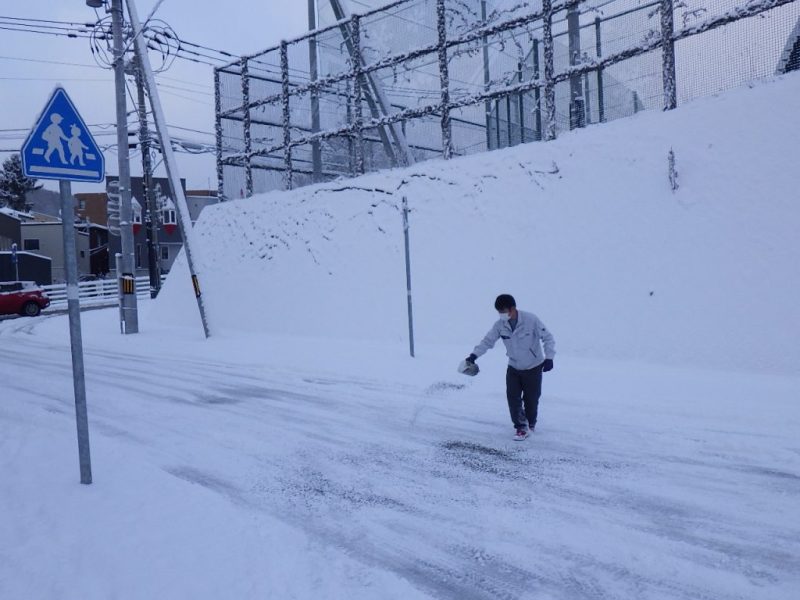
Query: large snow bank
{"points": [[585, 231]]}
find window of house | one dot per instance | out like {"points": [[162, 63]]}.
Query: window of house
{"points": [[137, 217], [82, 204], [83, 254], [139, 253], [169, 217], [31, 244], [164, 252]]}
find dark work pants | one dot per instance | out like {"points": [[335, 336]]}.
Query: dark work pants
{"points": [[523, 388]]}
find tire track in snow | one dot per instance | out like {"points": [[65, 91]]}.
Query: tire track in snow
{"points": [[339, 459]]}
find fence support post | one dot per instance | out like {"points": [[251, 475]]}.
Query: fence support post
{"points": [[218, 135], [668, 48], [286, 112], [577, 110], [549, 86], [247, 127], [601, 107], [358, 95], [444, 80], [350, 120], [246, 123], [487, 105], [316, 148]]}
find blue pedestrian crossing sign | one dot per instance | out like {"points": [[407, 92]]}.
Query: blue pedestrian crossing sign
{"points": [[60, 146]]}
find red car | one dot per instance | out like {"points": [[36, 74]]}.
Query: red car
{"points": [[22, 298]]}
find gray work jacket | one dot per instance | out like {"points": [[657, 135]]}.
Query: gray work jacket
{"points": [[523, 344]]}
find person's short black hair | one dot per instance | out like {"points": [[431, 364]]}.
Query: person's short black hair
{"points": [[505, 302]]}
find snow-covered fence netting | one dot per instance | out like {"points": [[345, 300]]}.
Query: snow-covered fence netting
{"points": [[415, 79]]}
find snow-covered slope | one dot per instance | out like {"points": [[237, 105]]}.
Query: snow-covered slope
{"points": [[584, 231]]}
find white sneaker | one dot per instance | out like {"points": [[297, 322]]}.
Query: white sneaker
{"points": [[520, 435]]}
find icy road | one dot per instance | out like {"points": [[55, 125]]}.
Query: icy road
{"points": [[219, 477]]}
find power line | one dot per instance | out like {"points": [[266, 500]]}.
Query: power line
{"points": [[88, 79], [182, 89], [195, 100], [47, 21], [53, 33], [80, 29], [48, 62], [182, 50]]}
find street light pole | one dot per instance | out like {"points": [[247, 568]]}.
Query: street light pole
{"points": [[129, 309]]}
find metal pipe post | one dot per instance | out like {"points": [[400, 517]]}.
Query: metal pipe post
{"points": [[351, 150], [130, 313], [75, 338], [358, 95], [286, 115], [316, 148], [218, 135], [601, 106], [577, 117], [668, 58], [408, 279], [486, 79], [549, 72], [444, 80], [247, 130]]}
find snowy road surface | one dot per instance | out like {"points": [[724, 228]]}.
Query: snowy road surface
{"points": [[302, 482]]}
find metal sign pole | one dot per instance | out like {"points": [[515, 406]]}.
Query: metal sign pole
{"points": [[45, 155], [76, 341]]}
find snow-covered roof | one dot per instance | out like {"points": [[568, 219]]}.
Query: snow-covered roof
{"points": [[29, 253], [39, 219], [16, 214]]}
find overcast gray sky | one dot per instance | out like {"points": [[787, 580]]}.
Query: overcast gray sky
{"points": [[237, 26]]}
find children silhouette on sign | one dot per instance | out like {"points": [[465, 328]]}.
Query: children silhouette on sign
{"points": [[53, 136], [76, 146]]}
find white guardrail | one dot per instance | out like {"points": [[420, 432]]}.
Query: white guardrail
{"points": [[102, 292]]}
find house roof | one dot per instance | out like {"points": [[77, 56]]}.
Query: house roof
{"points": [[90, 225], [37, 218], [16, 214], [29, 253]]}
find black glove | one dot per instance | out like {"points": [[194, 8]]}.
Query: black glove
{"points": [[547, 365], [471, 359]]}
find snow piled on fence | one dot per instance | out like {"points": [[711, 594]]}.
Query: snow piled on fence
{"points": [[585, 231]]}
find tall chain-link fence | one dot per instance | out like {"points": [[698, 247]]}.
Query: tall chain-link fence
{"points": [[417, 79]]}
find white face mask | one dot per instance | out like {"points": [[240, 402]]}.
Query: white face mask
{"points": [[504, 316]]}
